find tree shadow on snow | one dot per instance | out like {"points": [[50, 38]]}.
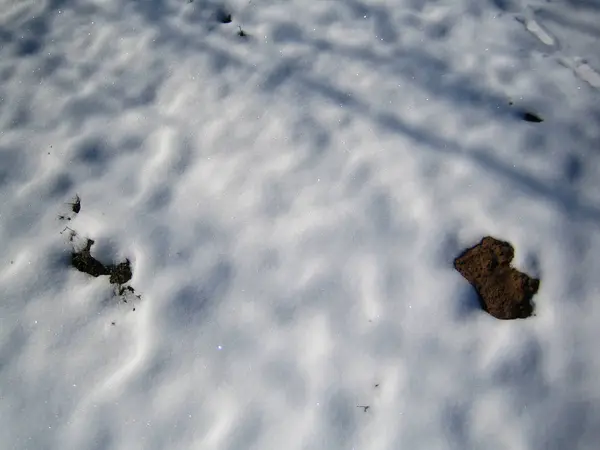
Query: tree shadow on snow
{"points": [[414, 68], [409, 65]]}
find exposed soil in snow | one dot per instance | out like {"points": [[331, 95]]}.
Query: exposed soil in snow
{"points": [[503, 291]]}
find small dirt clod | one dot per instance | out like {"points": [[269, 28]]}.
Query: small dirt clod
{"points": [[120, 273], [223, 16], [531, 117], [76, 205], [83, 261], [503, 291]]}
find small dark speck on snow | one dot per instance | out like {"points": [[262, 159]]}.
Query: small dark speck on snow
{"points": [[531, 117]]}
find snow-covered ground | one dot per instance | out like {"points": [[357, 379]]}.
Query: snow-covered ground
{"points": [[291, 202]]}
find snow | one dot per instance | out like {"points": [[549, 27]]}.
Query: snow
{"points": [[291, 203]]}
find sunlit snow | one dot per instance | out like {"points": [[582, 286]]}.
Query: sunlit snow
{"points": [[291, 202]]}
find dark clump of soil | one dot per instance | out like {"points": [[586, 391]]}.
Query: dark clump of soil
{"points": [[126, 289], [503, 291], [75, 208], [527, 116], [120, 273], [76, 205], [83, 261], [223, 16], [531, 117]]}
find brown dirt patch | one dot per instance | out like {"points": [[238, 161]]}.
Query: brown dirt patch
{"points": [[83, 261], [503, 291]]}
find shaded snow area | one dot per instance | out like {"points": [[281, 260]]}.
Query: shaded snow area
{"points": [[289, 203]]}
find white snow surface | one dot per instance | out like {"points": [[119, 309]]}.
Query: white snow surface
{"points": [[291, 203]]}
